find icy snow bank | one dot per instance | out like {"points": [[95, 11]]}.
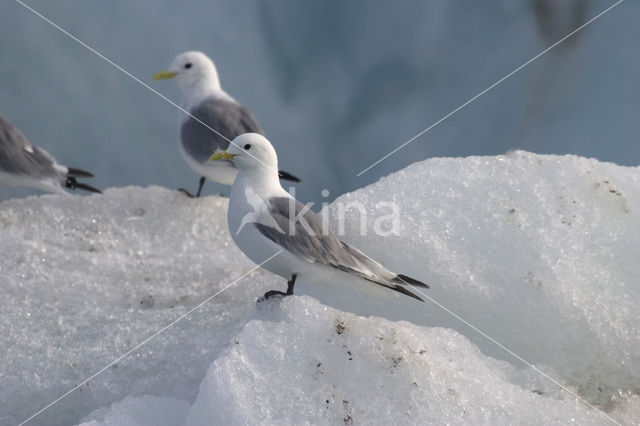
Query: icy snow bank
{"points": [[539, 252], [84, 279], [304, 363], [536, 251]]}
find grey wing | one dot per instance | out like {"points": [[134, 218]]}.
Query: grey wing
{"points": [[317, 246], [225, 116], [18, 156], [326, 247]]}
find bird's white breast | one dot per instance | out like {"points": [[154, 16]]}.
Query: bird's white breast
{"points": [[248, 238]]}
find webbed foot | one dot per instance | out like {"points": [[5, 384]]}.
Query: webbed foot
{"points": [[289, 291], [187, 193]]}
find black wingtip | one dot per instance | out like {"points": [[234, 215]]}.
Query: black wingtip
{"points": [[78, 172], [403, 279], [88, 188], [287, 176], [403, 290], [71, 183]]}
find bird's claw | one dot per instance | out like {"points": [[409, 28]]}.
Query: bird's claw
{"points": [[187, 193], [271, 293]]}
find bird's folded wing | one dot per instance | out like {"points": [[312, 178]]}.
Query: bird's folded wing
{"points": [[18, 156], [301, 233], [222, 118]]}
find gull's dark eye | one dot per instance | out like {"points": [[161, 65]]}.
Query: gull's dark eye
{"points": [[187, 65], [247, 146]]}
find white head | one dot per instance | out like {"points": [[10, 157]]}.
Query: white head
{"points": [[193, 71], [252, 153]]}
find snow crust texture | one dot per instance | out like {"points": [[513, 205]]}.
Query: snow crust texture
{"points": [[331, 367], [538, 252], [85, 279]]}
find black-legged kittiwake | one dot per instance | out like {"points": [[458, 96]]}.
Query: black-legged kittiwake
{"points": [[264, 219], [22, 164], [223, 117]]}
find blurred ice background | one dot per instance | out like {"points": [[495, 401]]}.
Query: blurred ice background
{"points": [[335, 85]]}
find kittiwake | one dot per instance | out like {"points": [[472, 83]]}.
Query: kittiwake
{"points": [[22, 164], [223, 117], [264, 219]]}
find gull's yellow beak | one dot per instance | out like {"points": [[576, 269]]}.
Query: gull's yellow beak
{"points": [[162, 75], [221, 155]]}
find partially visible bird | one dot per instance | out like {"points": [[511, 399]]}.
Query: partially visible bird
{"points": [[22, 164], [218, 118], [280, 224]]}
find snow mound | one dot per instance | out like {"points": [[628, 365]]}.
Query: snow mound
{"points": [[84, 279], [538, 252], [304, 363]]}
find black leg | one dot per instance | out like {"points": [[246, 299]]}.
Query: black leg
{"points": [[200, 185], [290, 284], [289, 292], [202, 179]]}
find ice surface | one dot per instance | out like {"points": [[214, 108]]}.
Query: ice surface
{"points": [[84, 279], [304, 363], [538, 252]]}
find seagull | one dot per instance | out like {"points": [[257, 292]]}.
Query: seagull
{"points": [[22, 164], [214, 118], [264, 219]]}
